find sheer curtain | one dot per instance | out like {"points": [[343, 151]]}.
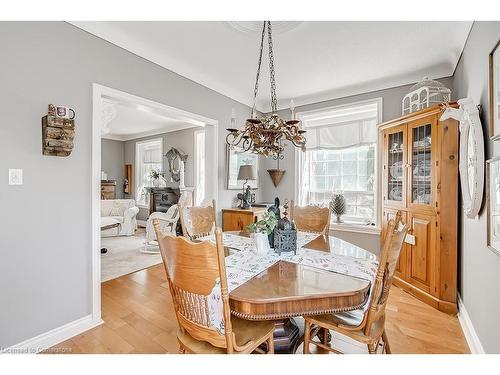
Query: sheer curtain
{"points": [[340, 156]]}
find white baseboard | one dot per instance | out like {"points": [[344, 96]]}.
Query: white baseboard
{"points": [[53, 337], [470, 334]]}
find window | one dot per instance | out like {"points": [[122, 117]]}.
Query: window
{"points": [[199, 166], [340, 156], [148, 158]]}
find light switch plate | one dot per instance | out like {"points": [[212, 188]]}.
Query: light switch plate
{"points": [[410, 239], [15, 176]]}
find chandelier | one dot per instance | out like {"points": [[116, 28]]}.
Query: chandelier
{"points": [[266, 135]]}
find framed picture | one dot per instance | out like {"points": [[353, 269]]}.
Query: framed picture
{"points": [[235, 158], [495, 92], [493, 203]]}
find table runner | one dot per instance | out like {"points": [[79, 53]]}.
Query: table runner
{"points": [[241, 266]]}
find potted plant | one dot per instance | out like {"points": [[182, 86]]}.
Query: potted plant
{"points": [[338, 206], [155, 176], [261, 230]]}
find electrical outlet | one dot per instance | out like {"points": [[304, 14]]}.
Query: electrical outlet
{"points": [[15, 176]]}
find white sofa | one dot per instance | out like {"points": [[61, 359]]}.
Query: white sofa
{"points": [[122, 210]]}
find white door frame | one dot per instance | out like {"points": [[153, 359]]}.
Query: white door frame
{"points": [[98, 92]]}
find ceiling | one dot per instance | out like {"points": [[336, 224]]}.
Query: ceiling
{"points": [[314, 61], [124, 120]]}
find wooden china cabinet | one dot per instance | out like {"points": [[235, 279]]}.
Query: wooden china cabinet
{"points": [[420, 178]]}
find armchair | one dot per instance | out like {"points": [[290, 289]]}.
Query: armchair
{"points": [[168, 224], [122, 210]]}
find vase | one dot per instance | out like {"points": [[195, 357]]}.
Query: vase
{"points": [[261, 241]]}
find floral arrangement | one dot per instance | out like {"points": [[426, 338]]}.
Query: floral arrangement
{"points": [[155, 174], [265, 226]]}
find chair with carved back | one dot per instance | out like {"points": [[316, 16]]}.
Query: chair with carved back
{"points": [[197, 281], [310, 218], [364, 325], [198, 221]]}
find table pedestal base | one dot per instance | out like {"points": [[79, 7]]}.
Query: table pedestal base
{"points": [[286, 336]]}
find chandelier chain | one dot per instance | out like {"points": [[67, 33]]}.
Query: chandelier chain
{"points": [[274, 100], [256, 89]]}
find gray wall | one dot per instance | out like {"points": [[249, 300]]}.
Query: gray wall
{"points": [[45, 277], [112, 162], [183, 140], [479, 268]]}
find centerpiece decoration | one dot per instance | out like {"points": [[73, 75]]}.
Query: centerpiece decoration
{"points": [[277, 213], [266, 135], [285, 234], [261, 230]]}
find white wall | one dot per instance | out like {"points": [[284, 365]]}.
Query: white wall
{"points": [[45, 231], [479, 267]]}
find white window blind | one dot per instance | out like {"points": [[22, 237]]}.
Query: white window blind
{"points": [[340, 156]]}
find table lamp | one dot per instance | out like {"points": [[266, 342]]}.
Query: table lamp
{"points": [[246, 172]]}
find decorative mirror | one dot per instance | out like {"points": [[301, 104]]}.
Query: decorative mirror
{"points": [[176, 160], [471, 164]]}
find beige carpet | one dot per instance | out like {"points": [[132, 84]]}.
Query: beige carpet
{"points": [[123, 256]]}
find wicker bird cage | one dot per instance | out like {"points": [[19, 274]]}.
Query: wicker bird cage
{"points": [[425, 94]]}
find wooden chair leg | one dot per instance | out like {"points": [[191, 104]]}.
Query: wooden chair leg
{"points": [[387, 347], [325, 336], [307, 336], [270, 344], [372, 348]]}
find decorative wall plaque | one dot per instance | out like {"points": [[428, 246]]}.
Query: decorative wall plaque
{"points": [[57, 135]]}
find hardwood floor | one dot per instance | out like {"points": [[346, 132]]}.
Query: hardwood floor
{"points": [[139, 318]]}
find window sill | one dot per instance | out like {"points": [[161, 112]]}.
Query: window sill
{"points": [[355, 228]]}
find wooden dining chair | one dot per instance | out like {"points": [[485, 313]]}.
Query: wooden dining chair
{"points": [[197, 281], [197, 221], [311, 218], [366, 326]]}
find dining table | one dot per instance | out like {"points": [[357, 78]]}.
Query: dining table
{"points": [[324, 275]]}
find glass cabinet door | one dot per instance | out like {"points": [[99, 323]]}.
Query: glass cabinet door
{"points": [[395, 174], [421, 138]]}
